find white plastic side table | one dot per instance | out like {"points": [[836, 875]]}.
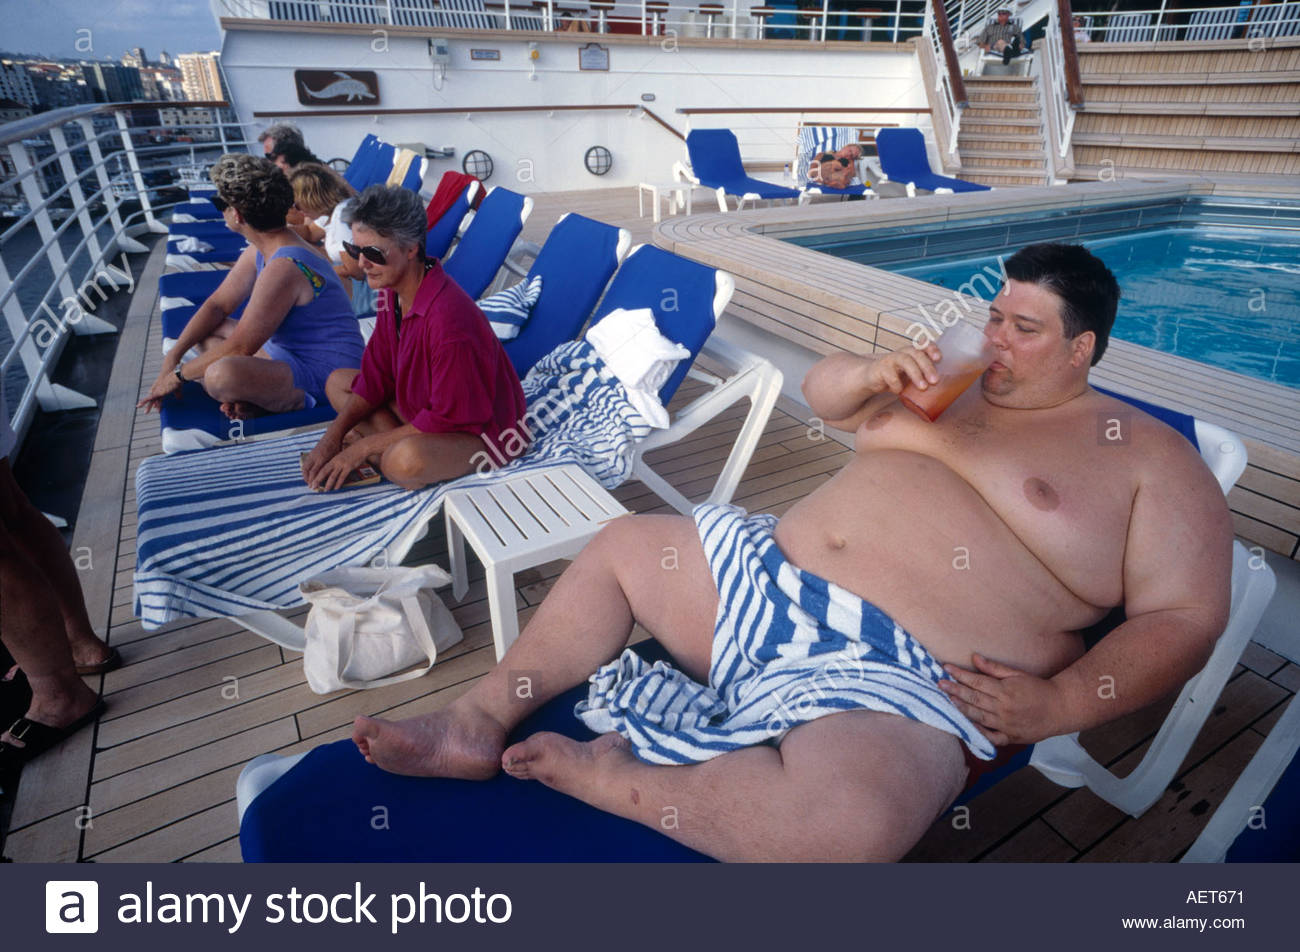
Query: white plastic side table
{"points": [[678, 195], [519, 523]]}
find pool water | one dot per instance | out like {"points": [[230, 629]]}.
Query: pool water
{"points": [[1223, 296]]}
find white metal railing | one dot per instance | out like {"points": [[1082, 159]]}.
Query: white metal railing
{"points": [[1061, 112], [69, 166], [892, 24], [1159, 24], [932, 47]]}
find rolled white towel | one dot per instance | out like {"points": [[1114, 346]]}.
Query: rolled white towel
{"points": [[640, 356]]}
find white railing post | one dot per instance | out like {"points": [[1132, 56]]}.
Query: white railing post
{"points": [[123, 241], [898, 15], [77, 195], [129, 148], [507, 25], [1160, 17], [35, 362]]}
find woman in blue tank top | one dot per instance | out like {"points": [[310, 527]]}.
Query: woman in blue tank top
{"points": [[297, 326]]}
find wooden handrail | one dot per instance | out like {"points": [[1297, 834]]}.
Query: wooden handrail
{"points": [[1070, 53], [955, 82], [447, 111]]}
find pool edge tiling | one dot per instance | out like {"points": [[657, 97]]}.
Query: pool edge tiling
{"points": [[792, 295]]}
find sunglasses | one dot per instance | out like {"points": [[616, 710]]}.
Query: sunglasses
{"points": [[375, 254], [219, 203]]}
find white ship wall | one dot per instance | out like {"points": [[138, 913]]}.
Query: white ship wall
{"points": [[537, 152]]}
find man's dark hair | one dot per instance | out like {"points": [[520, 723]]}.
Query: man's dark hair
{"points": [[1088, 291], [294, 153]]}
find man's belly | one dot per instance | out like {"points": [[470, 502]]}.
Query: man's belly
{"points": [[909, 535]]}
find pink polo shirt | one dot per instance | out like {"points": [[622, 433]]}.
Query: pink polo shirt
{"points": [[446, 372]]}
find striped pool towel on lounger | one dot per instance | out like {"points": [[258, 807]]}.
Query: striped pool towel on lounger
{"points": [[233, 529], [788, 647]]}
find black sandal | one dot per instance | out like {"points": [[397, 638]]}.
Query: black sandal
{"points": [[37, 738], [15, 697]]}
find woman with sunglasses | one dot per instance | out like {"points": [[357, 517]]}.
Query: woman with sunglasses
{"points": [[435, 390], [297, 326]]}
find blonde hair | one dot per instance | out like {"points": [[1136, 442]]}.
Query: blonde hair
{"points": [[317, 188]]}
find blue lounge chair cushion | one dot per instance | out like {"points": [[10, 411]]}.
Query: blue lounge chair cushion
{"points": [[1184, 423], [577, 261], [510, 309], [487, 241], [715, 161], [195, 410], [665, 282], [322, 810], [903, 159], [439, 238], [1278, 839], [194, 285]]}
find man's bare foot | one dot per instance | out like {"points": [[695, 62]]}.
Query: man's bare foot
{"points": [[460, 742], [567, 765]]}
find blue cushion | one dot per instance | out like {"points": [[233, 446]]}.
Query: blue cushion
{"points": [[324, 810], [510, 309]]}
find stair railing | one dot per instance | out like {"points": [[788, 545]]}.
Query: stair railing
{"points": [[937, 43], [1061, 78]]}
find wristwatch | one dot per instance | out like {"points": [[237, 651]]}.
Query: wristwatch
{"points": [[177, 372]]}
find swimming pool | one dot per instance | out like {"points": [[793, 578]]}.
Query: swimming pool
{"points": [[1211, 281]]}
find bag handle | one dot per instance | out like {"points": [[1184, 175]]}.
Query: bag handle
{"points": [[423, 637]]}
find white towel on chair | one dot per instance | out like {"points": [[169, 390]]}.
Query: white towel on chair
{"points": [[190, 244], [641, 358]]}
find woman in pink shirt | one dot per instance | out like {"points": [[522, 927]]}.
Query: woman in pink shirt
{"points": [[436, 393]]}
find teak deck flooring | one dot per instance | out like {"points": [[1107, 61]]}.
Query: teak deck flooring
{"points": [[195, 701]]}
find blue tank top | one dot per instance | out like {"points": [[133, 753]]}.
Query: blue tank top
{"points": [[325, 328]]}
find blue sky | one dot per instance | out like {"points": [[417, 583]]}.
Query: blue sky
{"points": [[51, 27]]}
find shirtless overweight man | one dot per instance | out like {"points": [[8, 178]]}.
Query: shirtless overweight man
{"points": [[1056, 523]]}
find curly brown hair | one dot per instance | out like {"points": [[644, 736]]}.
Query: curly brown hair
{"points": [[255, 187]]}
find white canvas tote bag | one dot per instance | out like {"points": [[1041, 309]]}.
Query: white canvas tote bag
{"points": [[366, 624]]}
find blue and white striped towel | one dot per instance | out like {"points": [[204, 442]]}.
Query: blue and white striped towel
{"points": [[788, 647], [233, 529]]}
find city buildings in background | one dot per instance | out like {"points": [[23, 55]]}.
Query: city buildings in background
{"points": [[41, 84], [201, 76]]}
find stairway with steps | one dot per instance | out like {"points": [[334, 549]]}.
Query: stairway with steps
{"points": [[1000, 140], [1221, 109]]}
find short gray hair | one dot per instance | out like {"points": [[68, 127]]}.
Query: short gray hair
{"points": [[391, 211], [282, 134]]}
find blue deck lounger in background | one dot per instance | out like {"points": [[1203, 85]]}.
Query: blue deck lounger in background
{"points": [[715, 163], [903, 159], [487, 240]]}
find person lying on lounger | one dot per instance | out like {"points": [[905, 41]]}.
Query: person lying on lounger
{"points": [[435, 384], [298, 325], [836, 169], [929, 595]]}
